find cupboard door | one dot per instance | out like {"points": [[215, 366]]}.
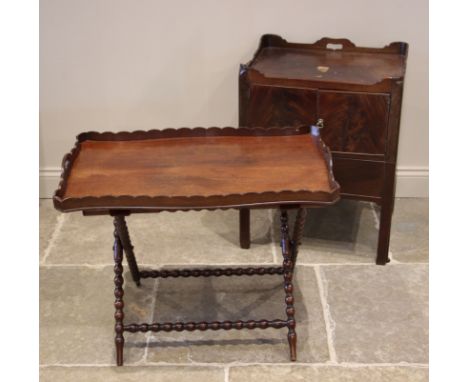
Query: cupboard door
{"points": [[354, 122], [276, 106]]}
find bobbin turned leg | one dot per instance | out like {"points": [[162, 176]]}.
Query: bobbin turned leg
{"points": [[288, 265], [118, 293], [122, 229]]}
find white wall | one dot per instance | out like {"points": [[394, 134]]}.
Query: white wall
{"points": [[141, 64]]}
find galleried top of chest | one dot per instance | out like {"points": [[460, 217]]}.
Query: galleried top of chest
{"points": [[328, 60]]}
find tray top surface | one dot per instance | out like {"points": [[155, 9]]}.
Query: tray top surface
{"points": [[184, 167], [198, 166]]}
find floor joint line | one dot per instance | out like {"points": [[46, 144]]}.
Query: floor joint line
{"points": [[153, 307], [329, 322], [246, 364], [58, 227], [376, 216], [226, 374], [273, 237], [212, 265]]}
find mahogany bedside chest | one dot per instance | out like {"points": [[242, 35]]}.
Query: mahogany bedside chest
{"points": [[356, 91]]}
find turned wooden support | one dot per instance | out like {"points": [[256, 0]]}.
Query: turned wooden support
{"points": [[202, 326], [288, 266], [289, 248], [206, 272], [118, 293], [122, 230]]}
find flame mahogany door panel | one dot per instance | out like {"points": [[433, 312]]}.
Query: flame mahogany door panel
{"points": [[354, 122], [277, 106]]}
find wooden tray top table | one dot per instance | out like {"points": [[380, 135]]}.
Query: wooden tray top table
{"points": [[193, 169]]}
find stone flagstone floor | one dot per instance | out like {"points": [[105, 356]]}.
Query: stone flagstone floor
{"points": [[356, 321]]}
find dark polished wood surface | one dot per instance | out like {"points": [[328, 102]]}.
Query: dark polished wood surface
{"points": [[197, 168], [352, 67], [356, 123], [328, 63], [357, 91]]}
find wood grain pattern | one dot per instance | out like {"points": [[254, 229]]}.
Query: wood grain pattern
{"points": [[197, 166], [344, 67], [281, 62], [355, 122], [218, 169], [394, 122], [276, 106], [362, 178]]}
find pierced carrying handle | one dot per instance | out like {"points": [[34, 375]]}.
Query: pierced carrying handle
{"points": [[334, 43]]}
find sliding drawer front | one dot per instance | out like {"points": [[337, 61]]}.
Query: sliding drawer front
{"points": [[354, 122], [359, 177], [269, 106]]}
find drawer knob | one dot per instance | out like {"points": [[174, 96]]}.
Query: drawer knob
{"points": [[320, 123]]}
